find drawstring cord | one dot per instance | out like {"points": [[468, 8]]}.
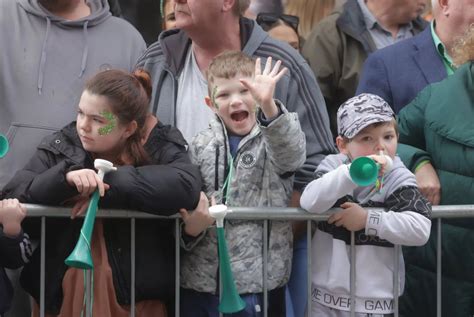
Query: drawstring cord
{"points": [[43, 57], [228, 180], [85, 51]]}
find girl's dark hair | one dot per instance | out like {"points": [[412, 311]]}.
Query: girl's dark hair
{"points": [[270, 20], [129, 96]]}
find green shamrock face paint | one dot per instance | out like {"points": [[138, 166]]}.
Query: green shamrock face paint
{"points": [[214, 94], [255, 107], [112, 123]]}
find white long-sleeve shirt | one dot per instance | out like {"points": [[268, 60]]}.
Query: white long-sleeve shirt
{"points": [[405, 223]]}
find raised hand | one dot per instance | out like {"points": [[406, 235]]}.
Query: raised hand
{"points": [[12, 213], [86, 181], [353, 217], [198, 220], [262, 87]]}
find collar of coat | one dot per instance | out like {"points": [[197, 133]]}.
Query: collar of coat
{"points": [[67, 142]]}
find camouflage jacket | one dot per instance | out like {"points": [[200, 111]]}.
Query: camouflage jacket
{"points": [[264, 167]]}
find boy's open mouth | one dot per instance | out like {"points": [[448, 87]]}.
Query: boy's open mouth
{"points": [[239, 115]]}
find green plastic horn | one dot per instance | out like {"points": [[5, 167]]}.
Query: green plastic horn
{"points": [[81, 256], [3, 145], [231, 302], [364, 171]]}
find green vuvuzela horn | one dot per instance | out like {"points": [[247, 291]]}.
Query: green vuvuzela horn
{"points": [[230, 301], [364, 170], [3, 145], [81, 256]]}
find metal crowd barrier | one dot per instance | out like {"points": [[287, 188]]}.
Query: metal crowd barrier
{"points": [[263, 213]]}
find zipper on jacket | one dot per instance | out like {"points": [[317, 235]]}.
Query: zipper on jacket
{"points": [[216, 168], [158, 88], [226, 174], [175, 99], [216, 188]]}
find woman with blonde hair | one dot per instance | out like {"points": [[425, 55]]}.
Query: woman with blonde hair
{"points": [[168, 20], [309, 12]]}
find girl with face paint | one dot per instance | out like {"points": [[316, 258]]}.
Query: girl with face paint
{"points": [[112, 117], [154, 174]]}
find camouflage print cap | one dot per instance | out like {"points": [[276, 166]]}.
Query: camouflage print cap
{"points": [[360, 111]]}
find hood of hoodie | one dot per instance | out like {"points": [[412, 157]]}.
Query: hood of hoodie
{"points": [[175, 42], [100, 11]]}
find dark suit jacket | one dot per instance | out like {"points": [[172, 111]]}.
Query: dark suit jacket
{"points": [[397, 73]]}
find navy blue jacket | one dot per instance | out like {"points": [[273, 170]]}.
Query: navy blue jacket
{"points": [[397, 73]]}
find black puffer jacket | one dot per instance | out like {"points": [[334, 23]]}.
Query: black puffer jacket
{"points": [[14, 252], [169, 183]]}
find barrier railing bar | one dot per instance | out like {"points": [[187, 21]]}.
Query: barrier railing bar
{"points": [[177, 272], [438, 270], [396, 277], [309, 260], [87, 291], [244, 213], [132, 273], [352, 274], [265, 268], [43, 265]]}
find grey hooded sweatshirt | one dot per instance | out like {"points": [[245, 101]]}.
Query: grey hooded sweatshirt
{"points": [[44, 63]]}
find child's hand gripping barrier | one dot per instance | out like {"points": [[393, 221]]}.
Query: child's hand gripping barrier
{"points": [[81, 255], [230, 299]]}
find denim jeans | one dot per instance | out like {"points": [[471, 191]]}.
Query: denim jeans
{"points": [[296, 291], [197, 304]]}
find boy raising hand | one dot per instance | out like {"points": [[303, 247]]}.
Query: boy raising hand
{"points": [[247, 157]]}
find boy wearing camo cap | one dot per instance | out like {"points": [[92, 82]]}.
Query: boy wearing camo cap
{"points": [[366, 127]]}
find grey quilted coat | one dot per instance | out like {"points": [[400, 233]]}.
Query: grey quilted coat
{"points": [[264, 167]]}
